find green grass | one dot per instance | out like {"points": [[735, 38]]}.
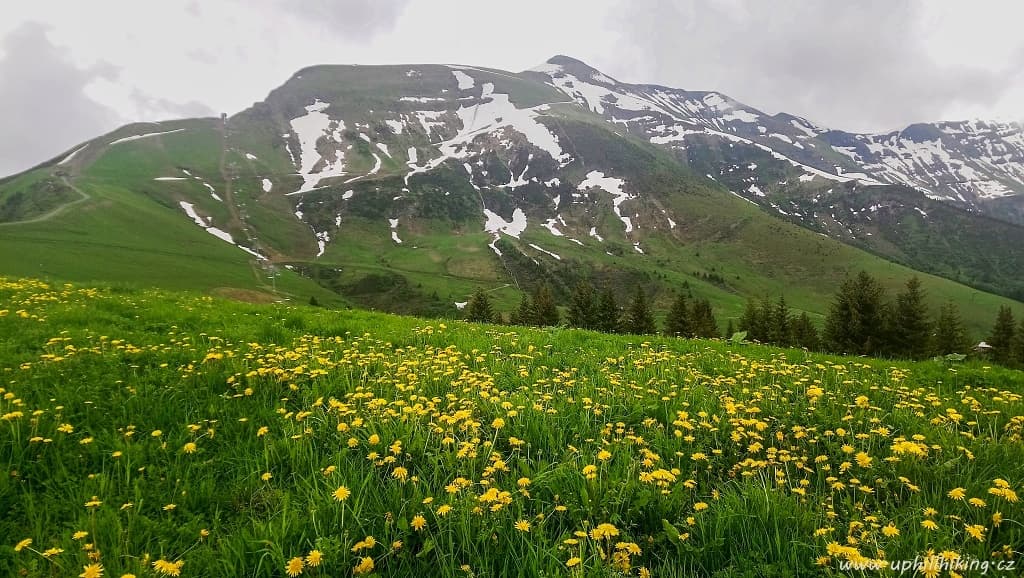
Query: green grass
{"points": [[105, 389]]}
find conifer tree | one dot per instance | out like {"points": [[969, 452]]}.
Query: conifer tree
{"points": [[910, 325], [753, 323], [545, 310], [1018, 346], [1002, 337], [949, 335], [608, 313], [639, 320], [779, 330], [855, 322], [583, 307], [524, 314], [730, 329], [479, 307], [804, 333], [702, 319], [677, 324]]}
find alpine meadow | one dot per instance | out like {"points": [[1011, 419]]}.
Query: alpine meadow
{"points": [[454, 320]]}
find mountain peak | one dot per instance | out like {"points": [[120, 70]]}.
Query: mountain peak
{"points": [[561, 63]]}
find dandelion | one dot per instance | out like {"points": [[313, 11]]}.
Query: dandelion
{"points": [[863, 460], [189, 448], [929, 525], [604, 455], [314, 558], [891, 530], [443, 510], [92, 571], [23, 544], [976, 502], [573, 562], [522, 526], [957, 493], [700, 506], [418, 522], [976, 531], [168, 568], [400, 473], [341, 494], [365, 566], [294, 566]]}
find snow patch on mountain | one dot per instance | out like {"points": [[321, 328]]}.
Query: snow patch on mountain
{"points": [[310, 129], [142, 136], [613, 186], [542, 250], [465, 81]]}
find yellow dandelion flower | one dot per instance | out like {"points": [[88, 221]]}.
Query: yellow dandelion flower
{"points": [[342, 494], [314, 558], [976, 531], [418, 522], [92, 571], [168, 568], [294, 566], [522, 526], [957, 493], [365, 566], [23, 544]]}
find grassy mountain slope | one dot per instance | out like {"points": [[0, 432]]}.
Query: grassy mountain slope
{"points": [[386, 204]]}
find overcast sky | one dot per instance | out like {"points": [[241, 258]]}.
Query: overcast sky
{"points": [[70, 70]]}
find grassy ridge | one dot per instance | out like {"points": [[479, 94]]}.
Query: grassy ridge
{"points": [[142, 428]]}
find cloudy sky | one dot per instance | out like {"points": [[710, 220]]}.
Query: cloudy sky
{"points": [[70, 70]]}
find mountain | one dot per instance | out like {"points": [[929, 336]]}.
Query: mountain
{"points": [[878, 192], [406, 187]]}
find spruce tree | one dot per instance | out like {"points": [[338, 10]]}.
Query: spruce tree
{"points": [[730, 329], [949, 335], [639, 320], [910, 326], [804, 333], [779, 330], [608, 313], [545, 310], [1002, 337], [479, 307], [1018, 346], [677, 324], [524, 315], [702, 319], [753, 323], [583, 307], [855, 321]]}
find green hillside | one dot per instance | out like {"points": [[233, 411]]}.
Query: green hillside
{"points": [[324, 229], [160, 434]]}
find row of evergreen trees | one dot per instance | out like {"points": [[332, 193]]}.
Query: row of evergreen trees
{"points": [[862, 320], [600, 311]]}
